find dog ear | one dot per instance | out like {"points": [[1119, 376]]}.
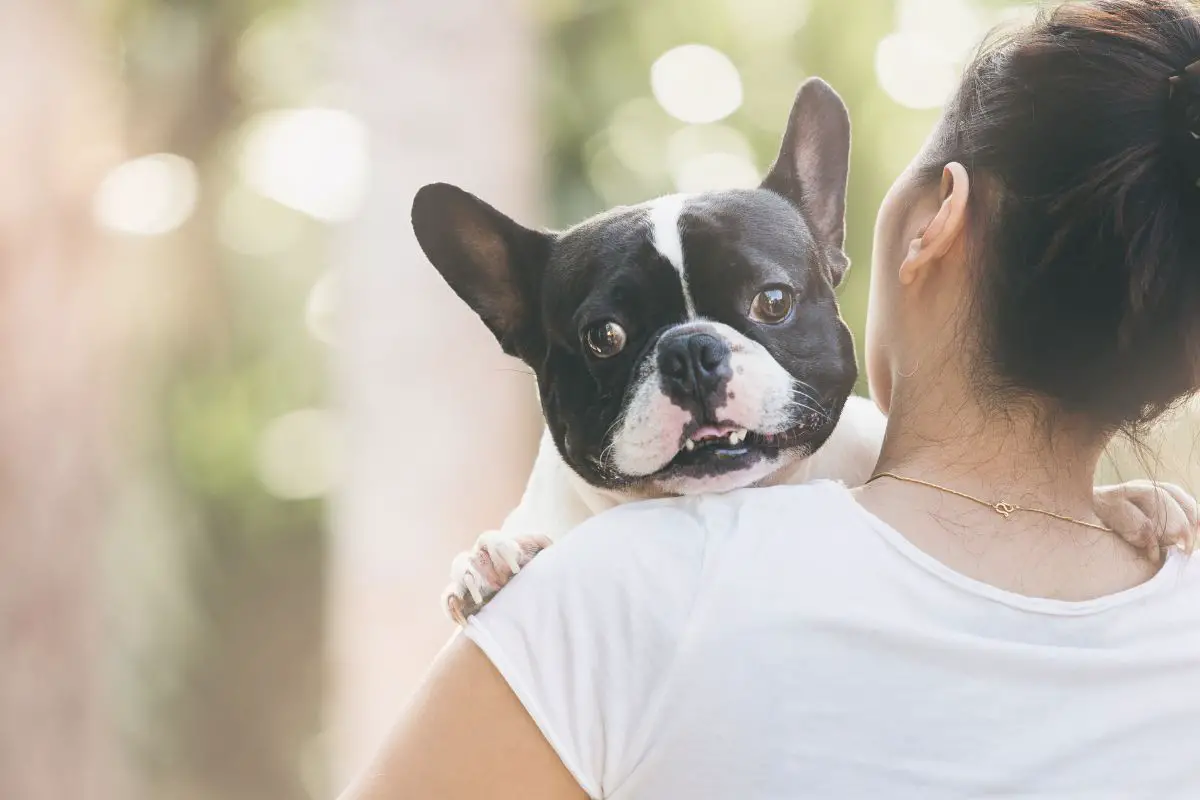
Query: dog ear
{"points": [[813, 166], [494, 264]]}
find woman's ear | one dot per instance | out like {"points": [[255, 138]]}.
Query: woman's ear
{"points": [[944, 231]]}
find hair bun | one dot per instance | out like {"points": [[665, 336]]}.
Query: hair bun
{"points": [[1184, 108]]}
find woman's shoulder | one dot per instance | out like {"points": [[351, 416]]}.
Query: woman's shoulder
{"points": [[714, 511], [599, 616], [659, 554], [660, 551], [656, 554], [603, 614], [654, 547], [684, 531]]}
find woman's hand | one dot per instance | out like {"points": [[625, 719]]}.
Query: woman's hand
{"points": [[466, 735], [1150, 516]]}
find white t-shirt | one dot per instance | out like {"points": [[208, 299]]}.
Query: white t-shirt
{"points": [[785, 643]]}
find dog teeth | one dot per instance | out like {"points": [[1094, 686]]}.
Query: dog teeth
{"points": [[732, 439]]}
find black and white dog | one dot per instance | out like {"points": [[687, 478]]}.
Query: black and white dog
{"points": [[689, 344]]}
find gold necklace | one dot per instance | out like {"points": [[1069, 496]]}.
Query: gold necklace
{"points": [[1002, 508]]}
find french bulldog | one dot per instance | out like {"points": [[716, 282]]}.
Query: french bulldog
{"points": [[689, 344]]}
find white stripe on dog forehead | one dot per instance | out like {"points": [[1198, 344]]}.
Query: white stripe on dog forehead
{"points": [[664, 233]]}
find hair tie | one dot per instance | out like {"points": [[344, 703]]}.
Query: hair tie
{"points": [[1183, 104]]}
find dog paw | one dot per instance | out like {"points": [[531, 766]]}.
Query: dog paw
{"points": [[476, 575], [1151, 516]]}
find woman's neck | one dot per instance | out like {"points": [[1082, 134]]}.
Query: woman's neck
{"points": [[944, 436], [945, 439]]}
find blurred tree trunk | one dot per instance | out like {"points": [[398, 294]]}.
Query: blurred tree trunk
{"points": [[441, 426], [56, 357], [221, 614]]}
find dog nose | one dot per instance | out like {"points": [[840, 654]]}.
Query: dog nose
{"points": [[693, 364]]}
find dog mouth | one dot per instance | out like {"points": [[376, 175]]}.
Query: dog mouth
{"points": [[722, 448]]}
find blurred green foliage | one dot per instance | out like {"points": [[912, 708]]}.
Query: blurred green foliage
{"points": [[222, 697]]}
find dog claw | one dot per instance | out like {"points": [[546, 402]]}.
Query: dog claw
{"points": [[477, 575], [471, 582], [507, 551], [1152, 517]]}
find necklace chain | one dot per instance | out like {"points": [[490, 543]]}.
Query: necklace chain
{"points": [[1003, 508]]}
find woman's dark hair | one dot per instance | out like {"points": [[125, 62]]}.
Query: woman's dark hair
{"points": [[1085, 178]]}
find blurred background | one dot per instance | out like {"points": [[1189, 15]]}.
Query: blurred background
{"points": [[244, 426]]}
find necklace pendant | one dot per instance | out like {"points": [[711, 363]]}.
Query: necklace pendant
{"points": [[1004, 509]]}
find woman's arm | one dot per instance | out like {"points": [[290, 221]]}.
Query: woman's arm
{"points": [[466, 735]]}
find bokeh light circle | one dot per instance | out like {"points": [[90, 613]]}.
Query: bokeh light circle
{"points": [[696, 83]]}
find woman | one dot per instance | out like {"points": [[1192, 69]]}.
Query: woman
{"points": [[962, 626]]}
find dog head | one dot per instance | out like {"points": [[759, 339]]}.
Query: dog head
{"points": [[688, 344]]}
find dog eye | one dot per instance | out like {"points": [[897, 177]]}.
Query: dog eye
{"points": [[773, 305], [605, 340]]}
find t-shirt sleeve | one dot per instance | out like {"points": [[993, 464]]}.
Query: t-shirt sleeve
{"points": [[588, 633]]}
